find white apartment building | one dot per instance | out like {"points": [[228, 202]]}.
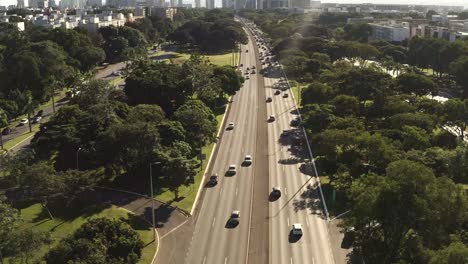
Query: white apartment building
{"points": [[390, 31]]}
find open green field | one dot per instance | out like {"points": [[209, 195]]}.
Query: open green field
{"points": [[36, 218], [190, 191], [181, 57]]}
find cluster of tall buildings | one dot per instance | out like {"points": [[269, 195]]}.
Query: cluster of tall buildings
{"points": [[266, 4]]}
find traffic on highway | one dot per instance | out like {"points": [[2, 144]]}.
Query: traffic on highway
{"points": [[262, 203]]}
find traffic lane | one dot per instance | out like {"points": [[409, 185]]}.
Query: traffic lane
{"points": [[222, 166], [106, 72], [234, 249], [279, 227], [208, 209], [224, 236], [247, 175], [291, 165]]}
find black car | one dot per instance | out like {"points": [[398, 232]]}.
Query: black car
{"points": [[6, 131], [214, 179], [36, 119]]}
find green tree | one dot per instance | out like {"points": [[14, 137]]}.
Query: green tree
{"points": [[318, 93], [415, 138], [458, 69], [146, 113], [179, 170], [361, 52], [413, 83], [9, 220], [345, 105], [3, 123], [317, 117], [199, 122], [100, 240], [158, 83], [357, 32], [230, 79], [455, 253], [456, 114], [387, 209]]}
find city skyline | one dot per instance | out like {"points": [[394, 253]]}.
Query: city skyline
{"points": [[218, 3]]}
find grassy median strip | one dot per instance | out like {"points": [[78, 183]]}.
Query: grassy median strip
{"points": [[13, 142], [37, 219], [189, 192]]}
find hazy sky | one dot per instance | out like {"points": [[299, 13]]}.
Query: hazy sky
{"points": [[417, 2]]}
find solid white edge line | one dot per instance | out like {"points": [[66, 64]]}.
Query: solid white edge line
{"points": [[195, 202]]}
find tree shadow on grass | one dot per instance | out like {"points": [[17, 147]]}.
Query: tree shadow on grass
{"points": [[162, 214], [137, 222], [166, 56], [75, 209]]}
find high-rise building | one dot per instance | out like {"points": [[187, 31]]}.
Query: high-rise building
{"points": [[210, 4], [180, 3], [20, 4], [228, 4], [173, 3], [197, 4]]}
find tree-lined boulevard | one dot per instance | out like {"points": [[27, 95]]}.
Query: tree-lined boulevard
{"points": [[317, 144]]}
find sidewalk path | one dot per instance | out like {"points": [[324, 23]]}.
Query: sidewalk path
{"points": [[167, 218]]}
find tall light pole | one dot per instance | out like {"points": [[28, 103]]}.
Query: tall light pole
{"points": [[77, 160], [152, 199]]}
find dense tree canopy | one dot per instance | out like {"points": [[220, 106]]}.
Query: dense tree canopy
{"points": [[99, 241], [217, 36]]}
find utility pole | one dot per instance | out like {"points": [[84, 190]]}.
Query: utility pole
{"points": [[77, 160], [152, 199]]}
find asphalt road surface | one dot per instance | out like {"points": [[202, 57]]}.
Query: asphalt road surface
{"points": [[291, 171], [214, 241]]}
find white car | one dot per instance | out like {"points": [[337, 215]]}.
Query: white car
{"points": [[23, 122], [235, 217], [231, 169], [230, 126], [297, 229], [248, 160]]}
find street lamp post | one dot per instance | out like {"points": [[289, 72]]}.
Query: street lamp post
{"points": [[77, 160], [152, 199]]}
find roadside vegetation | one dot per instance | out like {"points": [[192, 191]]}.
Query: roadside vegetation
{"points": [[166, 115], [387, 148]]}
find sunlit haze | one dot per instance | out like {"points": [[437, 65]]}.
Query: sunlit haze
{"points": [[416, 2]]}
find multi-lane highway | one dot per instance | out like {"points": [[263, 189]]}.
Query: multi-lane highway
{"points": [[214, 241], [280, 159]]}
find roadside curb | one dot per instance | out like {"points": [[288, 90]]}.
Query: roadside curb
{"points": [[309, 148], [215, 150], [157, 247], [19, 143]]}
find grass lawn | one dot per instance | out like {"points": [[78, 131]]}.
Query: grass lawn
{"points": [[181, 57], [36, 218], [190, 191]]}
